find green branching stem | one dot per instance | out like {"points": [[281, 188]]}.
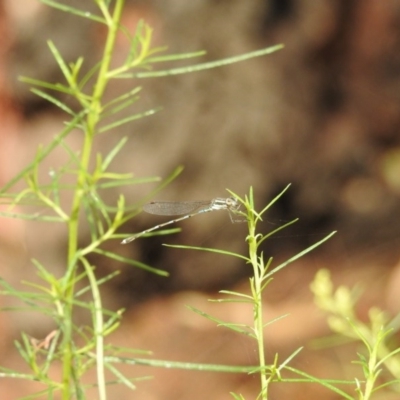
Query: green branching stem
{"points": [[92, 120], [257, 289]]}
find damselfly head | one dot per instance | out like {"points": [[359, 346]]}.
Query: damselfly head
{"points": [[232, 203]]}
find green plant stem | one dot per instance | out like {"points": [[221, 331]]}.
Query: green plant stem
{"points": [[256, 283], [73, 223], [92, 121], [98, 323]]}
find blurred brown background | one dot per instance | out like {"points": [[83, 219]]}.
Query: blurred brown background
{"points": [[322, 114]]}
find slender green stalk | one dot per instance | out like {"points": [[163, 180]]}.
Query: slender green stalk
{"points": [[258, 283], [256, 286], [98, 329], [92, 120]]}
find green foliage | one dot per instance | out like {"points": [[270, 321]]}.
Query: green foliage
{"points": [[261, 277], [377, 354], [79, 349]]}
